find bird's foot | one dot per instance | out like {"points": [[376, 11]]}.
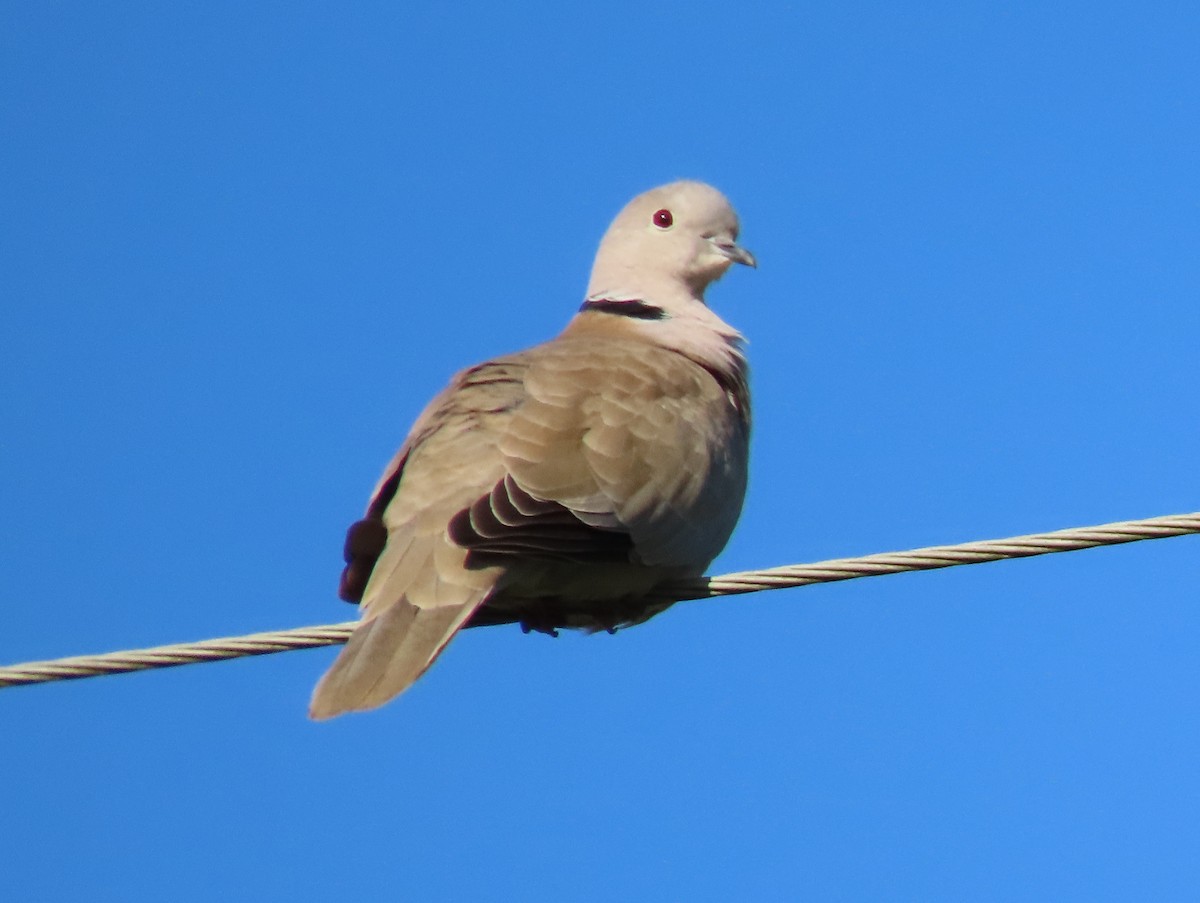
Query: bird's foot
{"points": [[539, 622]]}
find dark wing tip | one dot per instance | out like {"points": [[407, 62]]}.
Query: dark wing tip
{"points": [[509, 523], [364, 544]]}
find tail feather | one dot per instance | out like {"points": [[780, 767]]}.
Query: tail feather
{"points": [[385, 655]]}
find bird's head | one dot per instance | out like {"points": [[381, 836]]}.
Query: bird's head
{"points": [[674, 239]]}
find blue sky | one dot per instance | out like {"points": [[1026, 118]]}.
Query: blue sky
{"points": [[239, 249]]}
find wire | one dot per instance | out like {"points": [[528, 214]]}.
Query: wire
{"points": [[836, 569]]}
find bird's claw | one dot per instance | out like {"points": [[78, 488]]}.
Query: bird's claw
{"points": [[530, 626]]}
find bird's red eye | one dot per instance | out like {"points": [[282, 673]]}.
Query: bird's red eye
{"points": [[663, 219]]}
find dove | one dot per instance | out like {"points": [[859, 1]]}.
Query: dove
{"points": [[557, 486]]}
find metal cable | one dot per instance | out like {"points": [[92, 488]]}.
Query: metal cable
{"points": [[830, 571]]}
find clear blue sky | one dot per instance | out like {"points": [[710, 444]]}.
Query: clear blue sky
{"points": [[239, 249]]}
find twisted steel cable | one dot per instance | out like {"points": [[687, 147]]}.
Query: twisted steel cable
{"points": [[784, 577]]}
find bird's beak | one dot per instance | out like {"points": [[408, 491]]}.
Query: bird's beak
{"points": [[734, 252]]}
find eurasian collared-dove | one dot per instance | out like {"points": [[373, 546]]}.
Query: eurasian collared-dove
{"points": [[564, 482]]}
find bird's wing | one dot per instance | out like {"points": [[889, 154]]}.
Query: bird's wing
{"points": [[621, 451]]}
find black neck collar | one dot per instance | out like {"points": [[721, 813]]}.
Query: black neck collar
{"points": [[633, 307]]}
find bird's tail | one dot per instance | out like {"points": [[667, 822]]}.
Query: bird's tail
{"points": [[385, 655]]}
